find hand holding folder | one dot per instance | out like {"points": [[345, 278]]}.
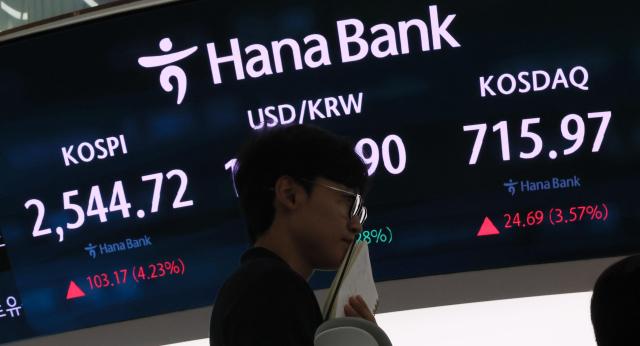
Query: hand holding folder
{"points": [[354, 277]]}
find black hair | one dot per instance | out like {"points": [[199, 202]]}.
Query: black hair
{"points": [[302, 152], [615, 304]]}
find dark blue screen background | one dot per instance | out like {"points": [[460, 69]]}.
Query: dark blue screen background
{"points": [[83, 82]]}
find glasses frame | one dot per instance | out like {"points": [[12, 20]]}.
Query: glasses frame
{"points": [[357, 208]]}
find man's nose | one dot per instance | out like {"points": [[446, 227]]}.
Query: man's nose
{"points": [[354, 225]]}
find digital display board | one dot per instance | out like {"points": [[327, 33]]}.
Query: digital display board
{"points": [[496, 134]]}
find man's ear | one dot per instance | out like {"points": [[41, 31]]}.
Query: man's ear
{"points": [[288, 192]]}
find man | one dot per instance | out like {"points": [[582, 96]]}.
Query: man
{"points": [[300, 190], [615, 304]]}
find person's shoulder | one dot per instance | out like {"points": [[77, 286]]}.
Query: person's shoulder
{"points": [[261, 277], [269, 274], [267, 294], [263, 290]]}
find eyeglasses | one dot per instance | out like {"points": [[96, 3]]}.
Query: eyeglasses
{"points": [[358, 209]]}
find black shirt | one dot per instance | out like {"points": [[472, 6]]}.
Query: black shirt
{"points": [[264, 303]]}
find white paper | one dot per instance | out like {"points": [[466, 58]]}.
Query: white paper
{"points": [[358, 281]]}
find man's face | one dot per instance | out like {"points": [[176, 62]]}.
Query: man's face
{"points": [[324, 228]]}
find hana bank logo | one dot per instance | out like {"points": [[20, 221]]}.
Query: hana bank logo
{"points": [[511, 186], [554, 183], [169, 70], [91, 250]]}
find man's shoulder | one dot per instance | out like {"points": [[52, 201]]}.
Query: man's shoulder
{"points": [[263, 279], [267, 272], [266, 294]]}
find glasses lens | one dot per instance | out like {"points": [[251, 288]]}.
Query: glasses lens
{"points": [[357, 204], [358, 210], [363, 215]]}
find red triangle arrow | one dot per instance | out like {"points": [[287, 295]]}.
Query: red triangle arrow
{"points": [[74, 291], [487, 228]]}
